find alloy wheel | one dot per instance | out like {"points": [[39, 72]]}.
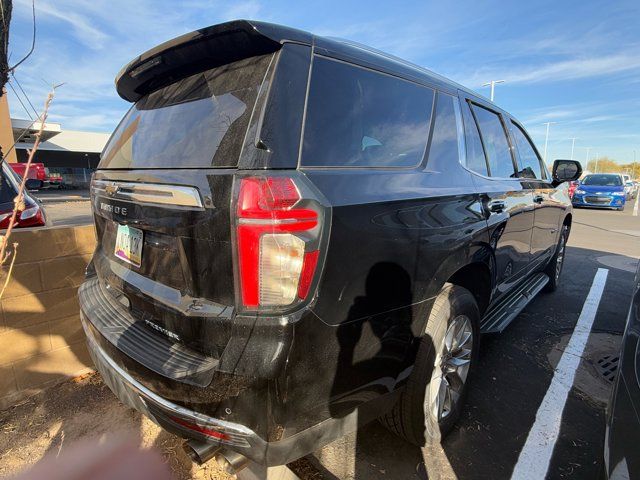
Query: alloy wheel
{"points": [[451, 368]]}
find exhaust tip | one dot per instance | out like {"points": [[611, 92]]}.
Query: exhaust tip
{"points": [[228, 460], [200, 452], [231, 462]]}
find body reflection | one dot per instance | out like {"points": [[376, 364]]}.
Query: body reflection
{"points": [[368, 367]]}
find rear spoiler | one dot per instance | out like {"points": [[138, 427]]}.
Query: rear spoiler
{"points": [[201, 50]]}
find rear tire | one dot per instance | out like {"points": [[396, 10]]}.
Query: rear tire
{"points": [[433, 397], [554, 268]]}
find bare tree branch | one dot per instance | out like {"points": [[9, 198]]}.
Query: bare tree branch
{"points": [[18, 202]]}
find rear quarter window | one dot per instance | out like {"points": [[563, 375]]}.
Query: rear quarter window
{"points": [[361, 118], [199, 121]]}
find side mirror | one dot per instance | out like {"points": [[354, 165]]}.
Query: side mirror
{"points": [[33, 184], [566, 171]]}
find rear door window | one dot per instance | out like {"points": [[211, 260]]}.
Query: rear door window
{"points": [[358, 117], [476, 159], [496, 144], [530, 164], [199, 121]]}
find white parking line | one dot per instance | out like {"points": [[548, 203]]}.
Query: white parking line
{"points": [[535, 456], [635, 207]]}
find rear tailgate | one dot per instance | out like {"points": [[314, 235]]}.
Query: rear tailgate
{"points": [[185, 267], [161, 198]]}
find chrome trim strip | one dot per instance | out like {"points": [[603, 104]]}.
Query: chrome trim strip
{"points": [[148, 395], [155, 193]]}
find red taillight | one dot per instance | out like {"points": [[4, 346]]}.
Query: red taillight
{"points": [[197, 428], [31, 217], [306, 276], [277, 234]]}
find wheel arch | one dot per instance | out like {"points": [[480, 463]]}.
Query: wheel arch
{"points": [[567, 221], [568, 218], [475, 277]]}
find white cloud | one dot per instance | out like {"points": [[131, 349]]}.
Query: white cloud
{"points": [[85, 44], [82, 26], [570, 69]]}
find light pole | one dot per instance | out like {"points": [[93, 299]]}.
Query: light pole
{"points": [[586, 163], [573, 144], [596, 163], [546, 140], [492, 84]]}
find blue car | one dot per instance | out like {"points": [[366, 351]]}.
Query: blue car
{"points": [[600, 190]]}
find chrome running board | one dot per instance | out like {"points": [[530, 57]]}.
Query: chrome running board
{"points": [[500, 316]]}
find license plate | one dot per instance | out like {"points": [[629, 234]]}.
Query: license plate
{"points": [[129, 245]]}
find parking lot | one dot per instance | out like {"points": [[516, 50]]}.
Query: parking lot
{"points": [[515, 372], [66, 207]]}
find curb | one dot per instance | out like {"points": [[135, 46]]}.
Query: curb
{"points": [[71, 198]]}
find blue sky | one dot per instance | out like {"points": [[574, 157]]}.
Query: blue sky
{"points": [[574, 63]]}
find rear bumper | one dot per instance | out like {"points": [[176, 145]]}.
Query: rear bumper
{"points": [[240, 438], [172, 402], [161, 411]]}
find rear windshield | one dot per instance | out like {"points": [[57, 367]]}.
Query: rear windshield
{"points": [[604, 180], [8, 184], [199, 121]]}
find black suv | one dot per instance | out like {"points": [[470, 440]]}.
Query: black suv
{"points": [[297, 235]]}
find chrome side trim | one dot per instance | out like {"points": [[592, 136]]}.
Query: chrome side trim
{"points": [[154, 193]]}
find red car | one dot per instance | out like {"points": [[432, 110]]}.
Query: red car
{"points": [[33, 215]]}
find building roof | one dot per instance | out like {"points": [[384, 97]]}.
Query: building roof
{"points": [[55, 138], [25, 130]]}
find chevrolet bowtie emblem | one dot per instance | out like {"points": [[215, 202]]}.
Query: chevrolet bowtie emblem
{"points": [[111, 190]]}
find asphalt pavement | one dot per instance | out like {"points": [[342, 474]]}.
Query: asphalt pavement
{"points": [[515, 375], [66, 207]]}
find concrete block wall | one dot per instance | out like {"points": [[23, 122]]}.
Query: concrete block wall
{"points": [[41, 339]]}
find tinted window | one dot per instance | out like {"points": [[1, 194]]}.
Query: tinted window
{"points": [[495, 142], [476, 160], [8, 186], [530, 166], [357, 117], [199, 121], [443, 151], [603, 180]]}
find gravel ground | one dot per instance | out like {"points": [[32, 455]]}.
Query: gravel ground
{"points": [[79, 410]]}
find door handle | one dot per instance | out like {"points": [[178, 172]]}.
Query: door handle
{"points": [[538, 199], [497, 206]]}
